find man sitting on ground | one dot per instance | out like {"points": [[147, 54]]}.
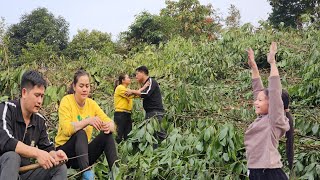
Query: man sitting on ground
{"points": [[22, 129]]}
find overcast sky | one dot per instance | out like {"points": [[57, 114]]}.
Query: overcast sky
{"points": [[115, 16]]}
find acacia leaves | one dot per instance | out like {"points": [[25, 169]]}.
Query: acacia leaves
{"points": [[207, 149]]}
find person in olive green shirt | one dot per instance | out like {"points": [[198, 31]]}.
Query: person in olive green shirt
{"points": [[123, 106]]}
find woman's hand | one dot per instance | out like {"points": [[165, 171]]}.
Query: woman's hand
{"points": [[108, 127], [129, 92], [95, 122], [272, 53]]}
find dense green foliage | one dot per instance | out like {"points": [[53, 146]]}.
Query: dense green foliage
{"points": [[192, 18], [291, 12], [233, 19], [147, 28], [39, 25], [186, 18], [206, 88], [86, 42]]}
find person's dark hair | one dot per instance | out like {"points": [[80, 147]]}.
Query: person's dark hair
{"points": [[143, 69], [289, 134], [119, 80], [76, 77], [32, 78]]}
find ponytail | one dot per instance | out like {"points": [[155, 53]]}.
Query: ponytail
{"points": [[116, 84], [119, 80], [290, 141], [70, 90], [290, 133]]}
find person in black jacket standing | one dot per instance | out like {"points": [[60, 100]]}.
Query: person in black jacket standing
{"points": [[152, 99], [22, 129]]}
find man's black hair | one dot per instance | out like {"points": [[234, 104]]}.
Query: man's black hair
{"points": [[32, 78], [143, 69]]}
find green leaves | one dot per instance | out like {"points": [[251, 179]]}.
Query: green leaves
{"points": [[207, 134], [148, 138], [155, 172], [3, 98], [185, 152], [225, 156], [199, 146], [315, 129], [100, 170], [223, 133], [53, 94], [140, 133], [150, 128]]}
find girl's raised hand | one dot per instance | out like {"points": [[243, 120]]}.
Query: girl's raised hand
{"points": [[272, 53], [251, 61]]}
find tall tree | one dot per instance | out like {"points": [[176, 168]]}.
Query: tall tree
{"points": [[147, 28], [186, 18], [3, 47], [290, 11], [2, 29], [233, 19], [192, 18], [37, 26], [85, 42]]}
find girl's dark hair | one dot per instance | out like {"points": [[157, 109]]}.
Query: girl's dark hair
{"points": [[76, 77], [289, 134], [119, 80]]}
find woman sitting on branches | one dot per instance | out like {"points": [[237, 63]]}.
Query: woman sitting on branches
{"points": [[78, 115]]}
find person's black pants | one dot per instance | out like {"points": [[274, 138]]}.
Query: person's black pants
{"points": [[124, 125], [160, 135], [78, 145], [267, 174]]}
